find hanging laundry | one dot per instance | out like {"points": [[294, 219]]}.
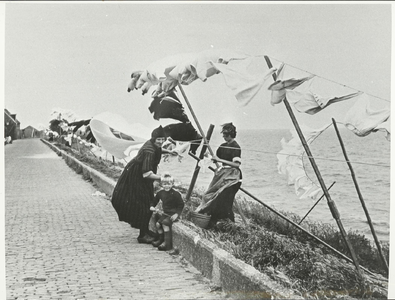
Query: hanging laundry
{"points": [[182, 68], [135, 77], [290, 163], [179, 147], [245, 86], [89, 135], [362, 120], [185, 71], [121, 135], [305, 188], [386, 128], [103, 127], [281, 86], [168, 107], [309, 102], [199, 65], [205, 163], [164, 88], [79, 124], [184, 132]]}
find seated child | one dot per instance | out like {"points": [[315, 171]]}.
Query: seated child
{"points": [[173, 205]]}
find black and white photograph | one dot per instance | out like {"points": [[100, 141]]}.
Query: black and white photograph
{"points": [[197, 150]]}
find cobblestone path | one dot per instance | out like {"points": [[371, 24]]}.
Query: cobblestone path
{"points": [[63, 242]]}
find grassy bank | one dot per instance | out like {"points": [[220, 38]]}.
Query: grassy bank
{"points": [[280, 250]]}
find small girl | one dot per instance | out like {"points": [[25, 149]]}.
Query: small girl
{"points": [[173, 205]]}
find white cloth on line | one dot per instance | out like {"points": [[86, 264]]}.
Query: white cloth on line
{"points": [[362, 120], [309, 102], [290, 163], [244, 85], [281, 86]]}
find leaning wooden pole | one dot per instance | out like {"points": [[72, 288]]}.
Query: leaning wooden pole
{"points": [[196, 121], [361, 197], [331, 203], [206, 142], [293, 223], [197, 168]]}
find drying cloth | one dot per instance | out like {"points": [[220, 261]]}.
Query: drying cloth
{"points": [[244, 85], [311, 103], [182, 68], [281, 86], [205, 163], [168, 107], [198, 65], [362, 120], [179, 147], [78, 124], [386, 128], [290, 163], [184, 132], [103, 127], [135, 77], [108, 141]]}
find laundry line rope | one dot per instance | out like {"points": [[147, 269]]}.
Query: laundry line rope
{"points": [[299, 155], [330, 80]]}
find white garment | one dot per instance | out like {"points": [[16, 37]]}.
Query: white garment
{"points": [[135, 77], [311, 103], [386, 128], [180, 148], [245, 86], [205, 163], [163, 87], [290, 163], [281, 86], [101, 126], [184, 68], [362, 120]]}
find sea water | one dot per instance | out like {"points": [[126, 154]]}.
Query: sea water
{"points": [[369, 157]]}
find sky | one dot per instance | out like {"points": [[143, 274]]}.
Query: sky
{"points": [[79, 56]]}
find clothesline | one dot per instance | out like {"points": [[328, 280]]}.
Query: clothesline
{"points": [[327, 79], [315, 157]]}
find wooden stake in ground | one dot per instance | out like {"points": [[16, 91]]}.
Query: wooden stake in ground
{"points": [[331, 203], [365, 209]]}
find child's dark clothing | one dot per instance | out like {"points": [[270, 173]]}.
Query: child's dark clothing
{"points": [[172, 203]]}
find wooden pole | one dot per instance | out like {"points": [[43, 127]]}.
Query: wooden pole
{"points": [[197, 168], [316, 204], [331, 203], [206, 142], [196, 121], [292, 222], [361, 197]]}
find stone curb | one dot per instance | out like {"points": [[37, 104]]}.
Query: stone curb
{"points": [[235, 277]]}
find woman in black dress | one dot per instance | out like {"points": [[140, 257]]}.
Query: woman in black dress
{"points": [[218, 200], [134, 192]]}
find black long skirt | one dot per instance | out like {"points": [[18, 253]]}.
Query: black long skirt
{"points": [[132, 196]]}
